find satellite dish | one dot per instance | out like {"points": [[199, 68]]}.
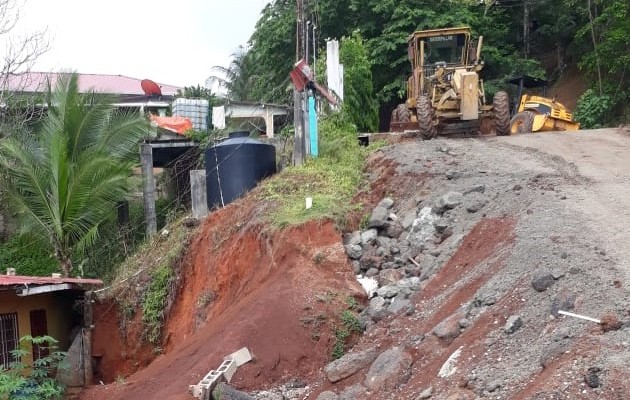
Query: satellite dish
{"points": [[150, 88]]}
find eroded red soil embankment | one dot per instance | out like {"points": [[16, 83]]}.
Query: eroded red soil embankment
{"points": [[278, 293]]}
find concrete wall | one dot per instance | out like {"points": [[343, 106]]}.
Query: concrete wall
{"points": [[59, 314]]}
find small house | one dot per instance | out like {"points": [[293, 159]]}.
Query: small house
{"points": [[52, 306]]}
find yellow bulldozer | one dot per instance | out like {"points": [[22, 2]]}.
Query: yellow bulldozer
{"points": [[444, 92], [538, 113]]}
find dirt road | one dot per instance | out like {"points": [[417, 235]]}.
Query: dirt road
{"points": [[603, 157]]}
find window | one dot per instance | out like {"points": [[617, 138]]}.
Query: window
{"points": [[8, 338]]}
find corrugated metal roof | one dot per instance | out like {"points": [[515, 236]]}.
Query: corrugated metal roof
{"points": [[16, 280], [37, 82]]}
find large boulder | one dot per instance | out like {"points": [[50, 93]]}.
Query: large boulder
{"points": [[377, 309], [327, 395], [390, 276], [354, 251], [349, 364], [378, 219], [368, 236], [449, 328], [391, 368], [352, 238], [386, 203]]}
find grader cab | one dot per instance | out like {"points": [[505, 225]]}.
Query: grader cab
{"points": [[444, 92]]}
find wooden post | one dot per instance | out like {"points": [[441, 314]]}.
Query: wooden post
{"points": [[298, 126], [86, 332], [148, 189]]}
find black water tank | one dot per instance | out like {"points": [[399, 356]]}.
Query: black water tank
{"points": [[242, 162]]}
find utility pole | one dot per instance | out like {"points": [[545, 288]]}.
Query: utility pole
{"points": [[314, 53], [298, 98]]}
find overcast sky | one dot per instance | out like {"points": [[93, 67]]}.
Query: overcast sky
{"points": [[174, 42]]}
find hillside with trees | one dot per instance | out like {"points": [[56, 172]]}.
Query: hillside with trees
{"points": [[542, 38]]}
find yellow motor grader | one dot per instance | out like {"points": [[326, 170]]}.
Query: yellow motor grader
{"points": [[533, 113], [444, 92]]}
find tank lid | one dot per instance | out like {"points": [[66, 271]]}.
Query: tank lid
{"points": [[238, 134], [240, 138]]}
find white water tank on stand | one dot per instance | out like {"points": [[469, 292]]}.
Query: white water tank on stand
{"points": [[194, 109]]}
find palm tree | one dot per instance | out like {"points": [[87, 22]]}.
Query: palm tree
{"points": [[238, 78], [65, 179]]}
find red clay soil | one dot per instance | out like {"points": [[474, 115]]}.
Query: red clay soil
{"points": [[569, 87], [278, 293], [117, 353]]}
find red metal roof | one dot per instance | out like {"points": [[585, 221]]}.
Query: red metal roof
{"points": [[6, 280], [37, 82]]}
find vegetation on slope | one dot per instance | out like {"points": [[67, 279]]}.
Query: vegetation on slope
{"points": [[330, 179]]}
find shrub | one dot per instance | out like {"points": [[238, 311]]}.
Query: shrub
{"points": [[594, 110], [28, 256], [155, 301], [18, 383]]}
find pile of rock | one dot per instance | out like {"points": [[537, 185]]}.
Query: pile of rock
{"points": [[401, 251]]}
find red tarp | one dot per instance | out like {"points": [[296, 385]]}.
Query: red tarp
{"points": [[175, 124]]}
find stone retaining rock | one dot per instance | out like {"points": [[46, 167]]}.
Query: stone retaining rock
{"points": [[379, 217], [354, 251], [368, 236]]}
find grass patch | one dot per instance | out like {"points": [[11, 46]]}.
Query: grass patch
{"points": [[155, 301], [349, 324], [331, 180]]}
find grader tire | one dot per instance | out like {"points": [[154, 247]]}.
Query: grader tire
{"points": [[424, 111], [501, 110], [522, 122], [403, 113]]}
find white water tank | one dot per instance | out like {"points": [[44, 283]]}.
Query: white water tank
{"points": [[194, 109]]}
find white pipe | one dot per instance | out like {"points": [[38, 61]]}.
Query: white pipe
{"points": [[584, 317]]}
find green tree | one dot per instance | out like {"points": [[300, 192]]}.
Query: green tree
{"points": [[359, 100], [65, 180], [272, 46], [238, 78], [197, 92], [606, 62]]}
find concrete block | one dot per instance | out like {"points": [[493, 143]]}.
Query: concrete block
{"points": [[203, 389], [200, 391], [199, 197], [240, 356], [228, 368], [195, 391]]}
